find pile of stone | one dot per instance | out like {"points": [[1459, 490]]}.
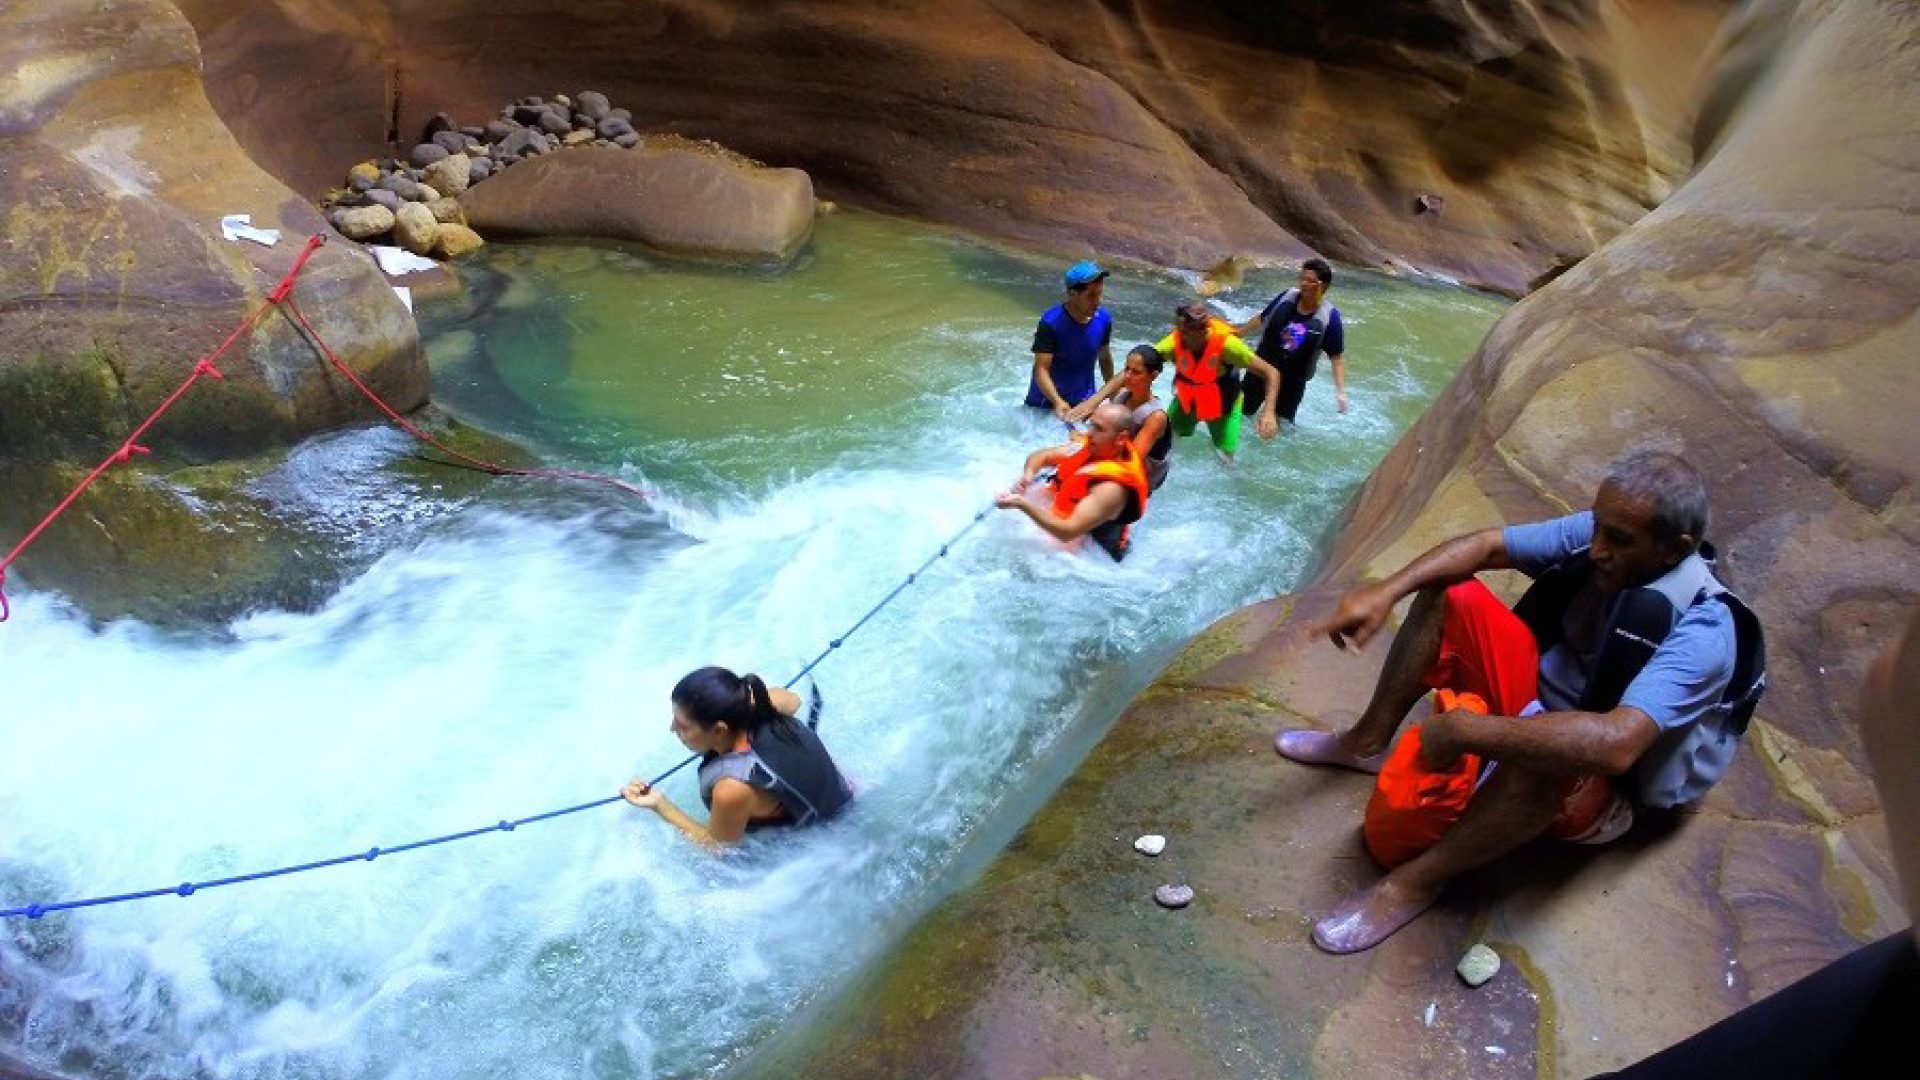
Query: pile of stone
{"points": [[415, 204]]}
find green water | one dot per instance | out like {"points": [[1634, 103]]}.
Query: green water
{"points": [[712, 380]]}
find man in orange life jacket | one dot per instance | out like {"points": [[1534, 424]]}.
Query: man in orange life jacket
{"points": [[1098, 487], [1207, 359]]}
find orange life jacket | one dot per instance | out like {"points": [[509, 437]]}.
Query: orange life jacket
{"points": [[1076, 474], [1196, 379]]}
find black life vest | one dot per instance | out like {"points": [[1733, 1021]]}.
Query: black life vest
{"points": [[789, 762], [1640, 620]]}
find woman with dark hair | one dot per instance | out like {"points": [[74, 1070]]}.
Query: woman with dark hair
{"points": [[759, 765], [1133, 387]]}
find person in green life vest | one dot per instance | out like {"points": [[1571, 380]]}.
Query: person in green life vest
{"points": [[1207, 362]]}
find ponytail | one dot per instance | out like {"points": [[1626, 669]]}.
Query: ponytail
{"points": [[714, 695], [761, 713]]}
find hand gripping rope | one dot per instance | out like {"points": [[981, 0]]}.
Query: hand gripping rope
{"points": [[207, 367], [188, 888]]}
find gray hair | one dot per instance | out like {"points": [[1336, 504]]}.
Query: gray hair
{"points": [[1671, 485]]}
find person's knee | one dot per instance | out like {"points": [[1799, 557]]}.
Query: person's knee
{"points": [[1523, 791]]}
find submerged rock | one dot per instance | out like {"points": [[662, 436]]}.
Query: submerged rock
{"points": [[1150, 844]]}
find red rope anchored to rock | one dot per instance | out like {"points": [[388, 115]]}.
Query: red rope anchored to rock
{"points": [[207, 367]]}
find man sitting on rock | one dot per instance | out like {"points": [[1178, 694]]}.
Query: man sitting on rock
{"points": [[1625, 677], [1094, 486]]}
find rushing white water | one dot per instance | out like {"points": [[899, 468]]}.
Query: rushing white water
{"points": [[512, 653]]}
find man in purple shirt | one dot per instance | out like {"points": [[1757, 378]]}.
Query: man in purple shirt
{"points": [[1590, 718]]}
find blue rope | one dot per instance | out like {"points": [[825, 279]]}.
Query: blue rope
{"points": [[188, 888]]}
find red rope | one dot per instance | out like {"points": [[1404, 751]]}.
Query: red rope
{"points": [[206, 367]]}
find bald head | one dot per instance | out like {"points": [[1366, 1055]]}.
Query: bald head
{"points": [[1109, 423]]}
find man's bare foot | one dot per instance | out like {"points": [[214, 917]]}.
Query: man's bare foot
{"points": [[1311, 747], [1371, 916]]}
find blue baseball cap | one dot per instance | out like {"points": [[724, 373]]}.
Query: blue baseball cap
{"points": [[1084, 273]]}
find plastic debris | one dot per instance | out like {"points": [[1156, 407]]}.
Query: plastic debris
{"points": [[237, 227], [398, 262]]}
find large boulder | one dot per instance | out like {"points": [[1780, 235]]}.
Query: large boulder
{"points": [[672, 195], [1761, 322], [114, 277], [1176, 133]]}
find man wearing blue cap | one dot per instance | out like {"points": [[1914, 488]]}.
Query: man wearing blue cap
{"points": [[1071, 336]]}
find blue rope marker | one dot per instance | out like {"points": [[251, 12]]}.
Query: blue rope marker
{"points": [[188, 888]]}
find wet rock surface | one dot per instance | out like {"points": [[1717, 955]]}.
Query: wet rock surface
{"points": [[114, 277], [114, 280]]}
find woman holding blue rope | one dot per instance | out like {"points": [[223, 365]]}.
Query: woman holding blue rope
{"points": [[760, 766]]}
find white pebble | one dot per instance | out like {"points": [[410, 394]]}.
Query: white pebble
{"points": [[1479, 965], [1150, 844], [1431, 1007], [1496, 1051]]}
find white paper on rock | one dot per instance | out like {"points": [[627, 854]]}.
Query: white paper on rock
{"points": [[398, 262]]}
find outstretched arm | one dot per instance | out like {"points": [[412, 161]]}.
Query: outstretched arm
{"points": [[1363, 611], [1043, 378], [1102, 504], [732, 807], [1107, 389], [1038, 460]]}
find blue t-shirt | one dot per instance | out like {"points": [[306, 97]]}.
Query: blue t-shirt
{"points": [[1075, 349], [1679, 689]]}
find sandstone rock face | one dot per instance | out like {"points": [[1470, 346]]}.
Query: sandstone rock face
{"points": [[1176, 133], [114, 277], [676, 196], [1761, 322]]}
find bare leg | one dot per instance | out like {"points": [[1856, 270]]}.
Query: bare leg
{"points": [[1402, 683], [1416, 645], [1511, 808]]}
